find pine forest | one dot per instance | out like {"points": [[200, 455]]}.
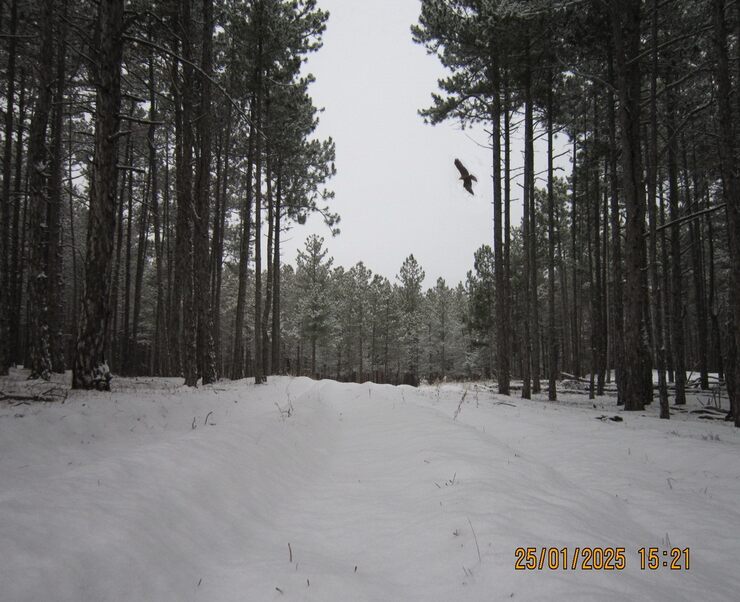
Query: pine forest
{"points": [[171, 199]]}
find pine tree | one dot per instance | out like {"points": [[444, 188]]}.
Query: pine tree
{"points": [[90, 367]]}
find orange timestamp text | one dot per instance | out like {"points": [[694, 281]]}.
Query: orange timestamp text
{"points": [[598, 559]]}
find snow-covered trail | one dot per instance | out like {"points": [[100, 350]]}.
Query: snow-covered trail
{"points": [[380, 491]]}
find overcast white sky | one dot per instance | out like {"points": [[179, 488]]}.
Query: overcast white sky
{"points": [[397, 189]]}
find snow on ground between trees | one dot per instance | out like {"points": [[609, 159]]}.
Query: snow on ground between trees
{"points": [[158, 492]]}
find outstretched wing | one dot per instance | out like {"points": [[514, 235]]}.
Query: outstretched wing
{"points": [[461, 168]]}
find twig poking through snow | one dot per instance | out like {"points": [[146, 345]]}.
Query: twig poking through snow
{"points": [[278, 589], [459, 405], [207, 416], [193, 426], [475, 537], [290, 553], [285, 413]]}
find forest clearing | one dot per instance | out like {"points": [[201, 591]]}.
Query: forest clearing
{"points": [[305, 490]]}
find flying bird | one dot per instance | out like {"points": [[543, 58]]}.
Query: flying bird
{"points": [[465, 176]]}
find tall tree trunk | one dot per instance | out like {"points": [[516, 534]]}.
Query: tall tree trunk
{"points": [[593, 307], [625, 17], [206, 351], [5, 267], [160, 347], [697, 269], [134, 361], [90, 368], [270, 233], [665, 290], [502, 354], [17, 251], [275, 339], [174, 366], [218, 238], [677, 311], [532, 239], [238, 361], [113, 350], [38, 161], [576, 320], [527, 360], [598, 315], [652, 184], [731, 187], [55, 298], [75, 298], [565, 351], [124, 346], [507, 292], [184, 268], [713, 309], [552, 341], [259, 376]]}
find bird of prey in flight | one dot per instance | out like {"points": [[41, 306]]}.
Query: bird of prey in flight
{"points": [[465, 176]]}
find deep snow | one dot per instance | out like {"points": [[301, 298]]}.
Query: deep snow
{"points": [[380, 491]]}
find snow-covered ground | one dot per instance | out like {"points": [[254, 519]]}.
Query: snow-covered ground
{"points": [[303, 490]]}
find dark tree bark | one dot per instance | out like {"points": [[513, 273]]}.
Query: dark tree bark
{"points": [[217, 253], [238, 360], [652, 184], [677, 311], [502, 353], [275, 339], [206, 348], [713, 309], [159, 359], [174, 297], [625, 18], [507, 291], [598, 314], [726, 127], [552, 341], [184, 268], [38, 160], [124, 341], [576, 320], [55, 298], [90, 368], [5, 267], [75, 298], [665, 290], [697, 270], [270, 233], [536, 356], [259, 376], [134, 363], [113, 345], [591, 227], [16, 252], [527, 360]]}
